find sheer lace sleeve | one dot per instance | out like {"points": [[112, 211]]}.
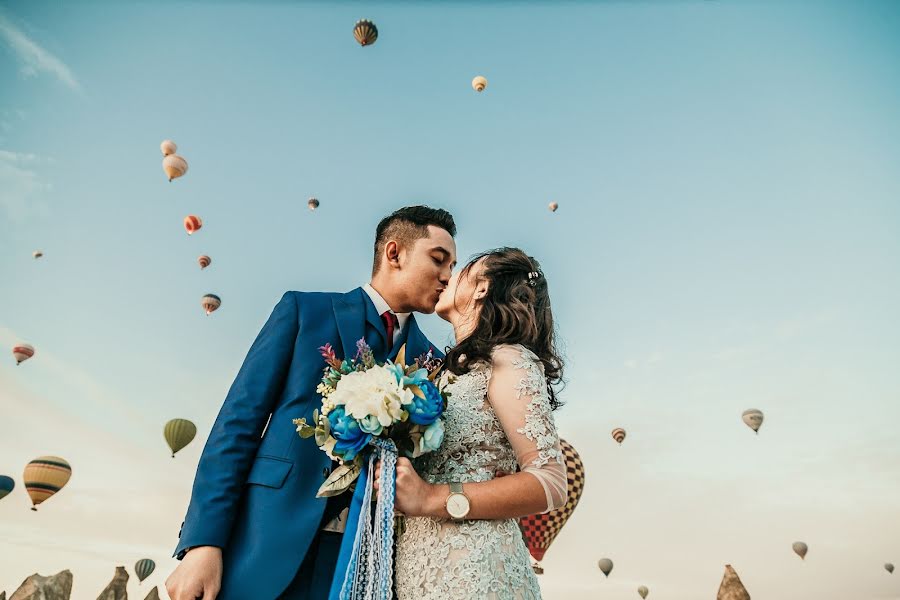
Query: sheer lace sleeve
{"points": [[518, 394]]}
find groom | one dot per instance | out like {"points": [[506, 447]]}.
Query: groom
{"points": [[254, 528]]}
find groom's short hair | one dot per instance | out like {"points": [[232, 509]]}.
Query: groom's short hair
{"points": [[407, 225]]}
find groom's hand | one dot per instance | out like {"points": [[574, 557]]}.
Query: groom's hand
{"points": [[198, 576]]}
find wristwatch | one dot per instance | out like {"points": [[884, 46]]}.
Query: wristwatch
{"points": [[457, 502]]}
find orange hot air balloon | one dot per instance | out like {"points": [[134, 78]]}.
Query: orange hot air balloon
{"points": [[168, 147], [44, 476], [539, 531], [204, 261], [553, 206], [192, 223], [210, 303]]}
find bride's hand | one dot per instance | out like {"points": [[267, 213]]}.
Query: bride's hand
{"points": [[412, 492]]}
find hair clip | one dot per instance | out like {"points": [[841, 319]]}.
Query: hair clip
{"points": [[532, 277]]}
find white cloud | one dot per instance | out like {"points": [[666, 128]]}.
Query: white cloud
{"points": [[34, 58]]}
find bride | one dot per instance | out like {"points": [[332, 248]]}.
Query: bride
{"points": [[462, 539]]}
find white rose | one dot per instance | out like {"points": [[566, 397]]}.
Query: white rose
{"points": [[371, 393]]}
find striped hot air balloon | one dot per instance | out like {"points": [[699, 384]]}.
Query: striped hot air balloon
{"points": [[22, 352], [479, 83], [539, 531], [175, 166], [192, 223], [143, 568], [179, 433], [210, 303], [618, 434], [7, 484], [44, 476], [204, 261], [365, 32]]}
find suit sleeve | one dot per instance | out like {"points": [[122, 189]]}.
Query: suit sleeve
{"points": [[235, 436]]}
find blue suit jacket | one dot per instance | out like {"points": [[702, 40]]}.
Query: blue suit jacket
{"points": [[254, 493]]}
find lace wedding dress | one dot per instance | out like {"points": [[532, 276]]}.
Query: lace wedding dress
{"points": [[439, 559]]}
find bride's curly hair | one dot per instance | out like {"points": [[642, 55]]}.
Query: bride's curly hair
{"points": [[516, 310]]}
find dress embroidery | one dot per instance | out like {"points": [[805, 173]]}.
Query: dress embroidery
{"points": [[441, 559]]}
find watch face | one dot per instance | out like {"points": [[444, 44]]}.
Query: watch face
{"points": [[457, 506]]}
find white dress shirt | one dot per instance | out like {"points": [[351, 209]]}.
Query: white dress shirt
{"points": [[382, 306]]}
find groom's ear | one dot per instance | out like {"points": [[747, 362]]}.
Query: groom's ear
{"points": [[392, 253]]}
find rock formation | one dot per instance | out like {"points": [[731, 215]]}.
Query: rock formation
{"points": [[153, 595], [116, 590], [732, 588], [38, 587]]}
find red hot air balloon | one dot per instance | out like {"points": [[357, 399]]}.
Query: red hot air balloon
{"points": [[22, 352], [539, 531], [192, 223]]}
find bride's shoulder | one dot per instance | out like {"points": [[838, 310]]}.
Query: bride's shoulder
{"points": [[515, 355]]}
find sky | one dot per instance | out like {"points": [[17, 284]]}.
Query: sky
{"points": [[727, 238]]}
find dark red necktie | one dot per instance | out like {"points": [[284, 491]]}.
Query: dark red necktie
{"points": [[391, 322]]}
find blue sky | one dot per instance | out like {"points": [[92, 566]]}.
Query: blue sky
{"points": [[727, 238]]}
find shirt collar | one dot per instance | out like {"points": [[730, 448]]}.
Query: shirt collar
{"points": [[381, 305]]}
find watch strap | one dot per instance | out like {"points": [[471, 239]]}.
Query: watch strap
{"points": [[456, 487]]}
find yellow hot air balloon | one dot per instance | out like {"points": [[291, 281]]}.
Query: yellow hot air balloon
{"points": [[44, 476], [168, 147], [553, 206], [179, 433], [175, 166], [479, 83], [365, 32]]}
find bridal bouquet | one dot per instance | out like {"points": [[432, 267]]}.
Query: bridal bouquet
{"points": [[370, 413], [363, 402]]}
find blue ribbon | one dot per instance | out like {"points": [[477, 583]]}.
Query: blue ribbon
{"points": [[365, 565]]}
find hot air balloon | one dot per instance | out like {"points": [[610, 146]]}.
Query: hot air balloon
{"points": [[313, 204], [618, 434], [22, 352], [179, 433], [37, 254], [6, 485], [210, 303], [204, 261], [44, 476], [753, 417], [539, 531], [365, 32], [800, 549], [553, 206], [889, 567], [479, 83], [606, 566], [175, 166], [143, 568], [643, 591], [168, 147], [192, 223]]}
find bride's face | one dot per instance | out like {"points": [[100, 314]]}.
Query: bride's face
{"points": [[459, 300]]}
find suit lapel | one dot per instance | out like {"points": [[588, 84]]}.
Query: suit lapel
{"points": [[415, 341], [350, 315]]}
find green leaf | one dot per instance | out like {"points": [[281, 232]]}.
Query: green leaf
{"points": [[339, 480], [305, 430]]}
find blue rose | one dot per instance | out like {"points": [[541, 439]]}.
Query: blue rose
{"points": [[417, 378], [345, 429], [425, 411], [370, 424], [432, 437]]}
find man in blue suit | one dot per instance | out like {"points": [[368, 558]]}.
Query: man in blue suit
{"points": [[254, 528]]}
